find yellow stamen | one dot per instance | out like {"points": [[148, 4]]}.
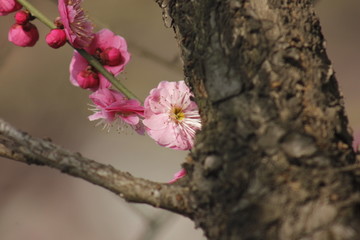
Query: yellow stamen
{"points": [[177, 114]]}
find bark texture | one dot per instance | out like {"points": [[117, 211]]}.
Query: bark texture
{"points": [[267, 163], [21, 147]]}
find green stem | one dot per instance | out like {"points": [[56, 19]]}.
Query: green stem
{"points": [[36, 13], [97, 65], [92, 61]]}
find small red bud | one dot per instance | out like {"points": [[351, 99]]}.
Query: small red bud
{"points": [[22, 17], [111, 57], [56, 38], [87, 79]]}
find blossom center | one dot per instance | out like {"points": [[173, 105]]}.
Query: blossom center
{"points": [[177, 114]]}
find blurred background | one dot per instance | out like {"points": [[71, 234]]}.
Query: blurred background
{"points": [[38, 203]]}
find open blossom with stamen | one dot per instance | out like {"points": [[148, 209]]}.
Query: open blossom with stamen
{"points": [[78, 29], [111, 106], [110, 49], [171, 117]]}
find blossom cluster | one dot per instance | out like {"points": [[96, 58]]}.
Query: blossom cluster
{"points": [[110, 50], [168, 115], [72, 25], [110, 106]]}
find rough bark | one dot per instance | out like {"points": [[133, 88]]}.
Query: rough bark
{"points": [[267, 163], [21, 147]]}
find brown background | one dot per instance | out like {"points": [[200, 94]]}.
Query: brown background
{"points": [[37, 203]]}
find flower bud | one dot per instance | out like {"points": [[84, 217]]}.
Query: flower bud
{"points": [[23, 35], [87, 79], [111, 57], [56, 38], [22, 17], [8, 6]]}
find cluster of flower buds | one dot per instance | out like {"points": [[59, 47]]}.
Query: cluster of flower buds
{"points": [[22, 33]]}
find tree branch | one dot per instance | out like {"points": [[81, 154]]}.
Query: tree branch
{"points": [[20, 146]]}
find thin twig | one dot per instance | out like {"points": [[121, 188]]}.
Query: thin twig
{"points": [[172, 64], [20, 146]]}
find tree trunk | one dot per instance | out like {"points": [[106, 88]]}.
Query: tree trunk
{"points": [[270, 161]]}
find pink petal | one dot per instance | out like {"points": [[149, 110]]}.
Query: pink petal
{"points": [[96, 116], [77, 64], [164, 137], [104, 83], [130, 119], [102, 97], [157, 122], [178, 175], [104, 39]]}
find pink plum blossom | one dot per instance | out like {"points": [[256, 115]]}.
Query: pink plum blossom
{"points": [[23, 35], [171, 117], [56, 38], [110, 49], [178, 175], [78, 29], [81, 71], [9, 6], [111, 106]]}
